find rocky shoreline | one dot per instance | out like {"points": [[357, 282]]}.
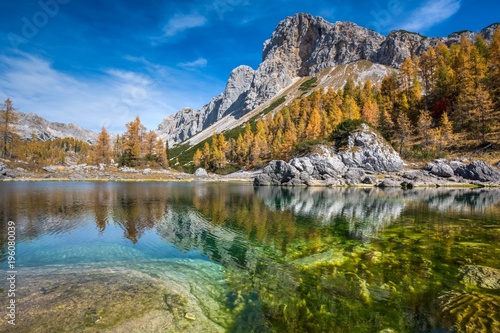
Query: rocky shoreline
{"points": [[358, 158], [364, 158]]}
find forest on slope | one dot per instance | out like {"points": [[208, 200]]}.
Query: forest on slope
{"points": [[444, 103]]}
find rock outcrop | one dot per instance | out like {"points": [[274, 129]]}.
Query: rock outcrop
{"points": [[365, 151], [301, 45]]}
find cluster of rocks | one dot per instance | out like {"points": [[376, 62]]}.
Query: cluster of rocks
{"points": [[364, 155], [6, 172], [368, 159]]}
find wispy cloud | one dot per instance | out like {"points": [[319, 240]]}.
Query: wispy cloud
{"points": [[430, 14], [182, 22], [111, 98], [198, 63]]}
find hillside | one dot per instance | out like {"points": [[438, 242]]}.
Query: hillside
{"points": [[301, 46]]}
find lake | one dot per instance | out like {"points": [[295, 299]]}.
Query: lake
{"points": [[200, 257]]}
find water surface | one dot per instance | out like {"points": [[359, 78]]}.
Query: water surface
{"points": [[154, 257]]}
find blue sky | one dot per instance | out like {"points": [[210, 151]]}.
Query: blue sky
{"points": [[101, 62]]}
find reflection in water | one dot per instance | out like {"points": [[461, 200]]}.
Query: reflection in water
{"points": [[295, 259]]}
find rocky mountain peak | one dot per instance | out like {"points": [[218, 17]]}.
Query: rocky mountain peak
{"points": [[303, 45]]}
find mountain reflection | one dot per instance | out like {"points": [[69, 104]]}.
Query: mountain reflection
{"points": [[219, 219]]}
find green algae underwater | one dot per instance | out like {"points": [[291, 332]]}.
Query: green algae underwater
{"points": [[111, 257]]}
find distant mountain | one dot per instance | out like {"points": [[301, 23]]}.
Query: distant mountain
{"points": [[45, 130], [302, 46]]}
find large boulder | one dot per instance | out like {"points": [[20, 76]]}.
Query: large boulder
{"points": [[479, 170], [481, 276], [367, 150], [201, 173], [440, 168], [364, 151]]}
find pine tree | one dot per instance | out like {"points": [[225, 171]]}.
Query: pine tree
{"points": [[149, 145], [8, 121], [407, 73], [494, 68], [428, 64], [206, 155], [446, 127]]}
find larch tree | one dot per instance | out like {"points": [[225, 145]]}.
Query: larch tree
{"points": [[370, 112], [403, 131], [102, 149], [132, 144], [350, 108], [424, 126], [8, 120], [161, 153], [197, 158], [149, 145], [313, 128]]}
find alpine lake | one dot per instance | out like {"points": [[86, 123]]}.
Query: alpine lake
{"points": [[229, 257]]}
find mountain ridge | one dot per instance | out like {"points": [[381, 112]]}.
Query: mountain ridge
{"points": [[301, 46], [44, 130]]}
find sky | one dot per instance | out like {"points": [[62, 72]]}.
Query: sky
{"points": [[102, 62]]}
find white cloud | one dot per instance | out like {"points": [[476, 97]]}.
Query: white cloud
{"points": [[109, 99], [198, 63], [430, 14], [181, 22]]}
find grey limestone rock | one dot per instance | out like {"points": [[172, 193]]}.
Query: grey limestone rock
{"points": [[369, 151], [440, 168], [51, 169], [479, 170], [201, 173]]}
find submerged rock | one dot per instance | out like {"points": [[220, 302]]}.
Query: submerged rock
{"points": [[481, 276], [470, 312]]}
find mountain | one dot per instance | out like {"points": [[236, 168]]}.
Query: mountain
{"points": [[301, 46], [46, 130]]}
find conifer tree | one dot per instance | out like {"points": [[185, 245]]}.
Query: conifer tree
{"points": [[403, 131], [8, 121], [161, 153], [350, 109], [132, 144], [424, 127], [313, 128], [197, 158], [206, 155], [102, 149], [370, 112]]}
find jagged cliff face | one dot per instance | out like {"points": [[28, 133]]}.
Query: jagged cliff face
{"points": [[301, 45], [45, 130], [187, 122]]}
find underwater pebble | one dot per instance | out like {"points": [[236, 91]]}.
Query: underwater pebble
{"points": [[190, 316]]}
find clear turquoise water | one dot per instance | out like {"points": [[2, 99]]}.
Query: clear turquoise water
{"points": [[285, 260]]}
